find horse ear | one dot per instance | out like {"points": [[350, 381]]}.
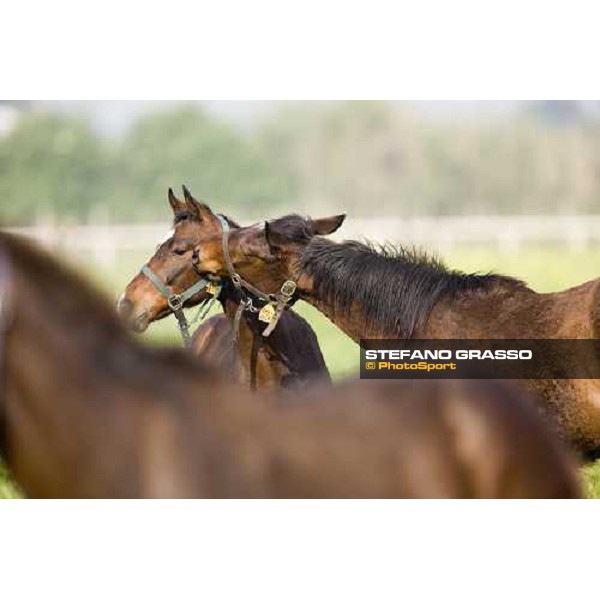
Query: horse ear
{"points": [[197, 209], [187, 194], [275, 237], [327, 225], [176, 204]]}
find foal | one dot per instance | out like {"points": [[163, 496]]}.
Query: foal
{"points": [[290, 357], [87, 412], [401, 294]]}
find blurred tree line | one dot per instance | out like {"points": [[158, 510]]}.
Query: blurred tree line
{"points": [[365, 158]]}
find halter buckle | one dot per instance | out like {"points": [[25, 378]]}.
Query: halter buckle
{"points": [[288, 288], [175, 302]]}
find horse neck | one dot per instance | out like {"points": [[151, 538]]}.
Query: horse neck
{"points": [[352, 323], [371, 295]]}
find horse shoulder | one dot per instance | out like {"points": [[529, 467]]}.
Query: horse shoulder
{"points": [[213, 341], [297, 341], [575, 312]]}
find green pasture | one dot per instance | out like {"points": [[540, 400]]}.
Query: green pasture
{"points": [[545, 268]]}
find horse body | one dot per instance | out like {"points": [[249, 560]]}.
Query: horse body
{"points": [[394, 293], [507, 311], [90, 413], [573, 405]]}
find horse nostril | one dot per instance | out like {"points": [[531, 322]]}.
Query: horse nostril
{"points": [[124, 306]]}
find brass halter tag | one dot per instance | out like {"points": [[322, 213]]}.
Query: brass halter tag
{"points": [[266, 314], [212, 288]]}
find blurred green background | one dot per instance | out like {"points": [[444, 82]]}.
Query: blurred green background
{"points": [[81, 161], [67, 163]]}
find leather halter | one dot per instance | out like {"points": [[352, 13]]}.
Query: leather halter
{"points": [[284, 298], [176, 302]]}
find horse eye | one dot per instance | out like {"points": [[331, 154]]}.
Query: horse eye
{"points": [[179, 251]]}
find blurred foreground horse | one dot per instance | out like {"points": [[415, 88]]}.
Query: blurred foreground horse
{"points": [[87, 412], [290, 357], [397, 293]]}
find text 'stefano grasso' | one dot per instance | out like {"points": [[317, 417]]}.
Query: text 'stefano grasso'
{"points": [[479, 359]]}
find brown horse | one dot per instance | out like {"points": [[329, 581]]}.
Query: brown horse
{"points": [[290, 357], [87, 412], [400, 294]]}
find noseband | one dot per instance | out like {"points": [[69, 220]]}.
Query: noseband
{"points": [[274, 305], [176, 302]]}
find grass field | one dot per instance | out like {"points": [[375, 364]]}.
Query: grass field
{"points": [[544, 268]]}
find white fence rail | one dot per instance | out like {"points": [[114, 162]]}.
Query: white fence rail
{"points": [[507, 233]]}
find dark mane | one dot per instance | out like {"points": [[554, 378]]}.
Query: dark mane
{"points": [[397, 287], [233, 224]]}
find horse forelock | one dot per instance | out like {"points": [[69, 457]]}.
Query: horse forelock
{"points": [[294, 228]]}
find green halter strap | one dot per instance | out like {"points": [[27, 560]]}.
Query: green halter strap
{"points": [[176, 301]]}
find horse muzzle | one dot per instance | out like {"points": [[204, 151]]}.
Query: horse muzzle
{"points": [[136, 322]]}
